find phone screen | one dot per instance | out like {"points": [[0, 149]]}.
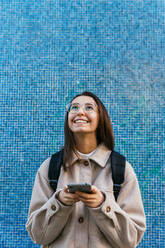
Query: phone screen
{"points": [[83, 187]]}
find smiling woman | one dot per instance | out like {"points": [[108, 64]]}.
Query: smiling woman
{"points": [[94, 218], [83, 118]]}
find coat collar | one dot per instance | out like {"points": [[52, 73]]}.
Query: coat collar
{"points": [[100, 156]]}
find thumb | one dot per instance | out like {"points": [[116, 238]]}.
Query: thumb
{"points": [[94, 189], [66, 190]]}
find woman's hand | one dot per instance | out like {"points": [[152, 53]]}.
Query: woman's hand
{"points": [[67, 198], [93, 200]]}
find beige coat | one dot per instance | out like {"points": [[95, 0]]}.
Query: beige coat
{"points": [[114, 224]]}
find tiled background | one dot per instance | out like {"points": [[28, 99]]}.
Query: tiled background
{"points": [[51, 50]]}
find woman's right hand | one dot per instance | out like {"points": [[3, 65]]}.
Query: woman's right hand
{"points": [[67, 198]]}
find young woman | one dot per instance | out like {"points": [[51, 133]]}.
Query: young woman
{"points": [[95, 220]]}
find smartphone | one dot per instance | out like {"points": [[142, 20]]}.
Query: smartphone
{"points": [[83, 187]]}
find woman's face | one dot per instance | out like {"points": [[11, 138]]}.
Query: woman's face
{"points": [[83, 116]]}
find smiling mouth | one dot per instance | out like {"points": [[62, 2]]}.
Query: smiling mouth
{"points": [[80, 121]]}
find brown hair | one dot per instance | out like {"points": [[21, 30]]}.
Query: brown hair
{"points": [[104, 130]]}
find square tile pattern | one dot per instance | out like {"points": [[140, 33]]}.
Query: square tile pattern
{"points": [[53, 50]]}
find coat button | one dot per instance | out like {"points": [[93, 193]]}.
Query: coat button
{"points": [[81, 220], [53, 207], [108, 209], [86, 163]]}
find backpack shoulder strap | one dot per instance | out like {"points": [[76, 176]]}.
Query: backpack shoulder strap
{"points": [[54, 168], [118, 170]]}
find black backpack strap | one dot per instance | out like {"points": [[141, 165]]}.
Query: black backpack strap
{"points": [[118, 170], [55, 168]]}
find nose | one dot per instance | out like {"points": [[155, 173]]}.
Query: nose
{"points": [[80, 111]]}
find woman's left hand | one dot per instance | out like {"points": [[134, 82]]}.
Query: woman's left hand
{"points": [[93, 200]]}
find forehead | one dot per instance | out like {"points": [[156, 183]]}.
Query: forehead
{"points": [[83, 100]]}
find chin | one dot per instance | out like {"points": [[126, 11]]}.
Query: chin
{"points": [[80, 131]]}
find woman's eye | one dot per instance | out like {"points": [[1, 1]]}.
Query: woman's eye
{"points": [[89, 108], [74, 108]]}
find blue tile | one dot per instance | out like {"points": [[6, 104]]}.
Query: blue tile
{"points": [[53, 50]]}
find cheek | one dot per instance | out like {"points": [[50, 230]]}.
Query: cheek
{"points": [[96, 124], [70, 118], [97, 121]]}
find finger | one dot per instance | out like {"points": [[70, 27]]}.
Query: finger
{"points": [[94, 189], [71, 197], [84, 195], [87, 200], [72, 200], [66, 190]]}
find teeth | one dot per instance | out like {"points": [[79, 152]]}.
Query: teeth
{"points": [[81, 121]]}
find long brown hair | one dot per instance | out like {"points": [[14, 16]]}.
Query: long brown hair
{"points": [[104, 130]]}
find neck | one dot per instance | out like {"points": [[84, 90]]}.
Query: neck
{"points": [[85, 143]]}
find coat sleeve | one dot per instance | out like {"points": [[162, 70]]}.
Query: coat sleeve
{"points": [[47, 216], [123, 222]]}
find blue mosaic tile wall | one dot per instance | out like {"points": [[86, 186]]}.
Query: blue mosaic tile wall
{"points": [[52, 50]]}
